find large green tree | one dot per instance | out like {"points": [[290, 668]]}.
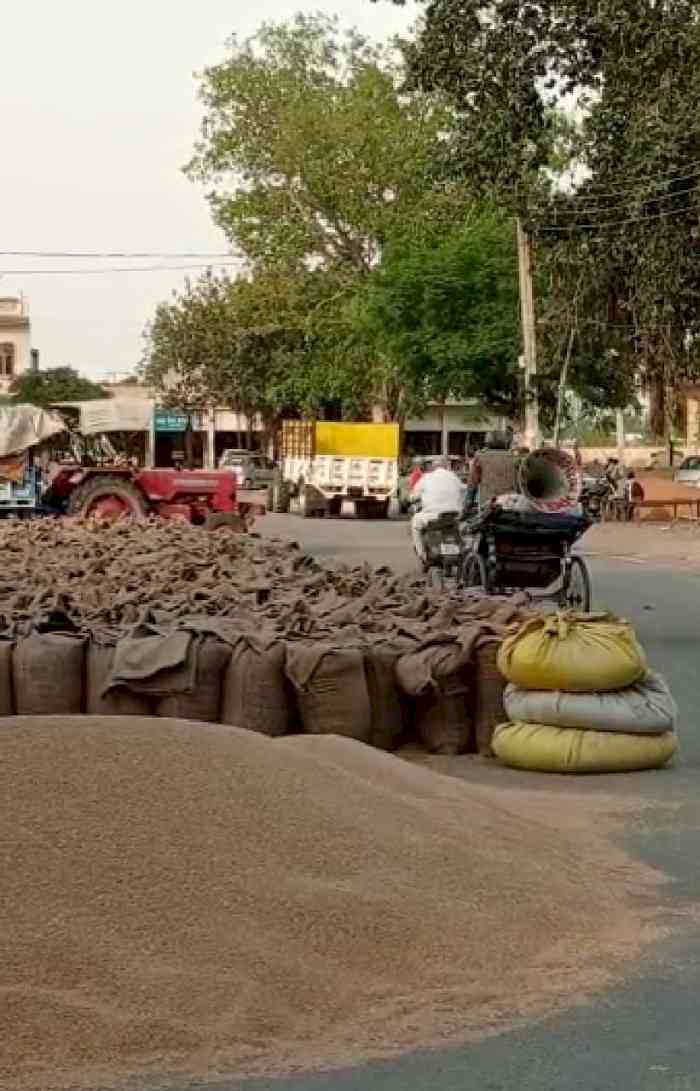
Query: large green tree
{"points": [[265, 343], [311, 149], [443, 309], [54, 385], [616, 246]]}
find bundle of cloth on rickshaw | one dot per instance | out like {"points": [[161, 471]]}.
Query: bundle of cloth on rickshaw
{"points": [[582, 699]]}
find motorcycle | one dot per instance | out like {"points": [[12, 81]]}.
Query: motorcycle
{"points": [[444, 548], [596, 492]]}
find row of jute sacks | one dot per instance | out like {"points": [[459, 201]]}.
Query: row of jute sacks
{"points": [[581, 699], [278, 689]]}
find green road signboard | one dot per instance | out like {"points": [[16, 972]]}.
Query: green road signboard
{"points": [[165, 421]]}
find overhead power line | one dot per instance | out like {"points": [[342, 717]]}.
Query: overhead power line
{"points": [[667, 178], [117, 269], [560, 228], [98, 254], [617, 208]]}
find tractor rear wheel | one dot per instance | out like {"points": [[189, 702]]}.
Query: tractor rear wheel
{"points": [[109, 498]]}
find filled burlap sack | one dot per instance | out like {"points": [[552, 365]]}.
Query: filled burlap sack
{"points": [[204, 702], [47, 674], [544, 749], [390, 711], [6, 698], [331, 689], [646, 708], [487, 704], [443, 721], [256, 693], [99, 661], [578, 653], [437, 674]]}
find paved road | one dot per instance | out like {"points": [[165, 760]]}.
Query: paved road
{"points": [[645, 1037]]}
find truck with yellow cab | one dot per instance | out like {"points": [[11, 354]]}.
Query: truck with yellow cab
{"points": [[323, 464]]}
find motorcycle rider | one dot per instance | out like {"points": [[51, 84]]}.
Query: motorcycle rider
{"points": [[438, 491]]}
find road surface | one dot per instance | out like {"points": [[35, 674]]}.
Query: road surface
{"points": [[645, 1037]]}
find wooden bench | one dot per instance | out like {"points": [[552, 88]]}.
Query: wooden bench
{"points": [[624, 511], [693, 507]]}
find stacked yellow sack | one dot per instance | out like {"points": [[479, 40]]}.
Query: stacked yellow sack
{"points": [[581, 699]]}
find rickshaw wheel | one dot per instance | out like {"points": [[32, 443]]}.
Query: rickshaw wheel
{"points": [[576, 592], [474, 572]]}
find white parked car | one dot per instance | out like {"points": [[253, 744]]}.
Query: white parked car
{"points": [[251, 470], [688, 473]]}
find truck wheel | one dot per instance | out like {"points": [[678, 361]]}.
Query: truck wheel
{"points": [[305, 509], [279, 498], [107, 498]]}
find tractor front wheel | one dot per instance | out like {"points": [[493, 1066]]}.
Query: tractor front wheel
{"points": [[109, 498], [224, 520]]}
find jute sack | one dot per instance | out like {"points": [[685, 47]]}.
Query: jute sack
{"points": [[116, 702], [204, 702], [6, 699], [543, 749], [47, 674], [438, 675], [442, 719], [256, 694], [489, 685], [579, 653], [646, 708], [389, 708], [331, 689]]}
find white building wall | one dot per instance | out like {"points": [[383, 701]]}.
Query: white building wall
{"points": [[15, 330]]}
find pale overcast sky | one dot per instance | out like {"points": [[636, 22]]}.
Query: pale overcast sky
{"points": [[99, 113]]}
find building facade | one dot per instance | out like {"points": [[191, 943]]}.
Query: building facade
{"points": [[15, 340]]}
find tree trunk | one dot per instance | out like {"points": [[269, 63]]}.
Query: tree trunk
{"points": [[657, 408], [189, 444]]}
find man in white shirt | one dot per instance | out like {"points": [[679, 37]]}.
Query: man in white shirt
{"points": [[439, 490]]}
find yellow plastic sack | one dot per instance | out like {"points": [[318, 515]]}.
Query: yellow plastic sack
{"points": [[578, 653], [542, 749]]}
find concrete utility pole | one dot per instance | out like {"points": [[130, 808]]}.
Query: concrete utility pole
{"points": [[620, 429], [527, 312]]}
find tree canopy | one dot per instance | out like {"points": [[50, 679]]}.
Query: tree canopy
{"points": [[261, 344], [57, 384], [617, 234], [443, 310], [312, 150], [326, 173]]}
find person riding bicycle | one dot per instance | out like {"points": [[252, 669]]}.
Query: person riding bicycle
{"points": [[438, 491]]}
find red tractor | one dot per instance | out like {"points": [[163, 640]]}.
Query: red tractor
{"points": [[204, 497], [86, 477]]}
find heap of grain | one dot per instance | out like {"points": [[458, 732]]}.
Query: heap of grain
{"points": [[186, 900]]}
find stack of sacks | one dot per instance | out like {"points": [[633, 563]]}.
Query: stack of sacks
{"points": [[582, 700]]}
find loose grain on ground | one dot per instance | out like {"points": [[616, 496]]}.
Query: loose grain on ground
{"points": [[184, 899]]}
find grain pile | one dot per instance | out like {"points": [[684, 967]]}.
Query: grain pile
{"points": [[187, 900]]}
